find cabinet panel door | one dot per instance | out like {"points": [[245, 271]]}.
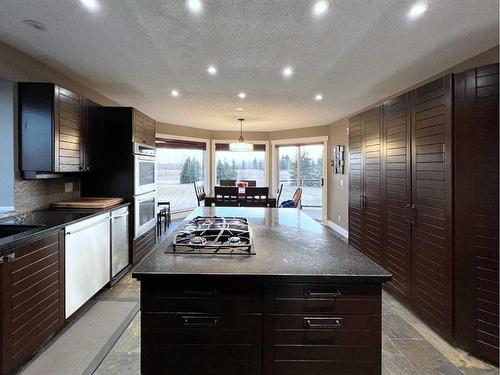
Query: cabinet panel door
{"points": [[476, 210], [32, 298], [432, 261], [92, 142], [372, 176], [397, 190], [356, 212], [150, 131], [68, 131], [139, 122]]}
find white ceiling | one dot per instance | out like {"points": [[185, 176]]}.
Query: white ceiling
{"points": [[136, 52]]}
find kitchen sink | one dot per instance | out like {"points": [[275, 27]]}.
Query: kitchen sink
{"points": [[7, 230]]}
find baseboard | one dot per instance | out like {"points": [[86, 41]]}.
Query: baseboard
{"points": [[338, 228]]}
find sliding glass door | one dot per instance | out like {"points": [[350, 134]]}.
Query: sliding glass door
{"points": [[302, 166]]}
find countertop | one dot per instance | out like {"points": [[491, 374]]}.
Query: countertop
{"points": [[49, 221], [287, 243]]}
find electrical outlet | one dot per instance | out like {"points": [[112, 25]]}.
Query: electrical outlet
{"points": [[339, 218], [68, 187]]}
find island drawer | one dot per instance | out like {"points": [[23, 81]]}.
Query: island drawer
{"points": [[203, 298], [322, 344], [202, 343], [326, 299]]}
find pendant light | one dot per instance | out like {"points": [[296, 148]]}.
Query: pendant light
{"points": [[240, 145]]}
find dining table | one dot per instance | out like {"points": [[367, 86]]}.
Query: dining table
{"points": [[210, 199]]}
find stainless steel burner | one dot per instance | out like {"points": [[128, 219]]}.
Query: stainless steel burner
{"points": [[198, 241], [234, 240], [214, 235]]}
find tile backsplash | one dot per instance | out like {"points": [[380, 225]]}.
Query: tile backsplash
{"points": [[31, 195]]}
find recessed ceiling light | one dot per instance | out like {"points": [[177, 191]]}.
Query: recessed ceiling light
{"points": [[174, 93], [242, 95], [417, 10], [320, 7], [92, 5], [195, 6], [35, 24], [239, 109], [287, 72], [212, 70], [318, 97]]}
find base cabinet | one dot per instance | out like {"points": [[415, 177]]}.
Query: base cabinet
{"points": [[228, 326], [32, 298]]}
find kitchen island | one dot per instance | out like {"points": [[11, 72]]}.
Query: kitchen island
{"points": [[305, 302]]}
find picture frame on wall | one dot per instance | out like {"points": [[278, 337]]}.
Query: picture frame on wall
{"points": [[338, 162]]}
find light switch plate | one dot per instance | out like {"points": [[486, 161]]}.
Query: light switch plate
{"points": [[341, 182], [68, 187]]}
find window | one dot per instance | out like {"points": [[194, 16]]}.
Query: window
{"points": [[232, 165], [179, 164]]}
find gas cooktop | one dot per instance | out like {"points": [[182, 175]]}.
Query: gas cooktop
{"points": [[214, 235]]}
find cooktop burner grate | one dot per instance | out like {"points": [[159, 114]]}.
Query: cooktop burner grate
{"points": [[214, 235]]}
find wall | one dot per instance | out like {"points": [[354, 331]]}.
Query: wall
{"points": [[32, 195], [338, 184]]}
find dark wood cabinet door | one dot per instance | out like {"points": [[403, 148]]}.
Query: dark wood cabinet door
{"points": [[372, 176], [68, 131], [432, 250], [397, 191], [32, 298], [476, 210], [150, 131], [92, 141], [139, 127], [356, 184]]}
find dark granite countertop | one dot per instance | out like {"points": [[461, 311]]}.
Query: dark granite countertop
{"points": [[287, 243], [47, 221]]}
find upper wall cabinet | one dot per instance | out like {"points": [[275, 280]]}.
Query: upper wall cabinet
{"points": [[53, 124], [144, 129]]}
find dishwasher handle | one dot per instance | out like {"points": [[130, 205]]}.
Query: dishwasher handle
{"points": [[119, 216], [89, 226]]}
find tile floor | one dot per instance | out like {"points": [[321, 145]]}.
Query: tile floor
{"points": [[409, 346]]}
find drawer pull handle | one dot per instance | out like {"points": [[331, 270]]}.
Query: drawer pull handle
{"points": [[200, 322], [323, 294], [329, 323], [201, 292]]}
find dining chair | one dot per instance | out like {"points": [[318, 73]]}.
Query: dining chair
{"points": [[163, 214], [227, 182], [278, 195], [199, 190], [251, 183], [297, 196], [256, 196], [226, 195]]}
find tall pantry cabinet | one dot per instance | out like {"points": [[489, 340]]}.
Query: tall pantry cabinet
{"points": [[404, 212]]}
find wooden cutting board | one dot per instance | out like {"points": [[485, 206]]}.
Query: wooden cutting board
{"points": [[88, 203]]}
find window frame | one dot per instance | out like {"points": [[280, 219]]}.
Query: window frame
{"points": [[299, 142], [214, 163], [207, 157]]}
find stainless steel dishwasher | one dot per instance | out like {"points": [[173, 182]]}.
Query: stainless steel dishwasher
{"points": [[87, 260], [119, 243]]}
